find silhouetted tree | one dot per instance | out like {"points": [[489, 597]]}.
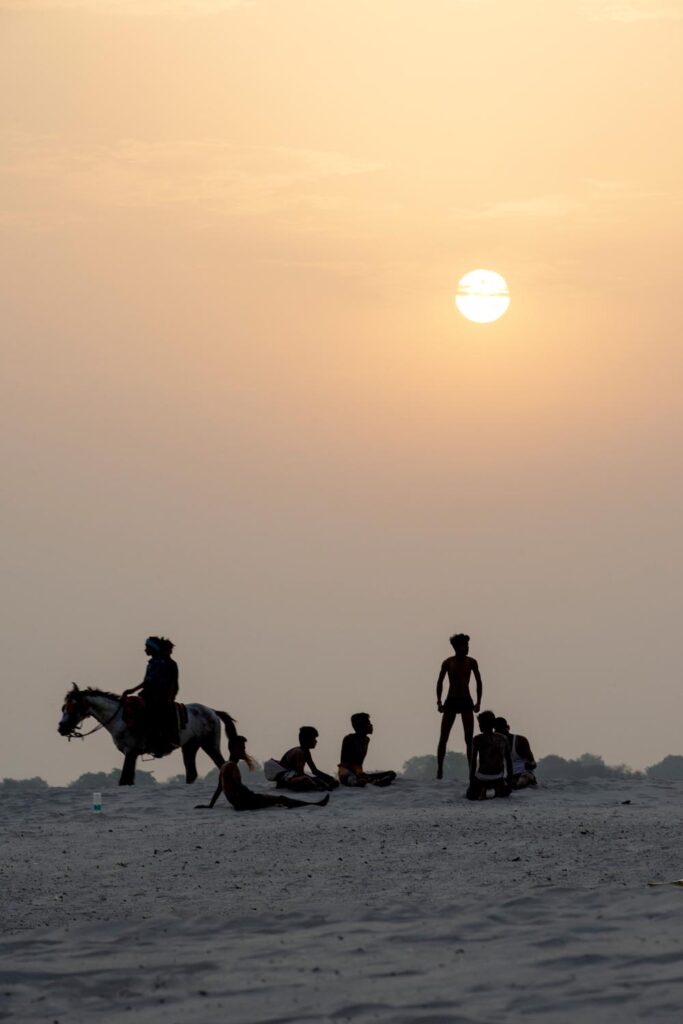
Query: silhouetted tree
{"points": [[8, 786], [454, 767], [588, 766], [669, 768], [102, 780]]}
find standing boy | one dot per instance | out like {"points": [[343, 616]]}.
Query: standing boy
{"points": [[459, 668]]}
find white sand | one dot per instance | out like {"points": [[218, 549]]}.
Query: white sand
{"points": [[407, 904]]}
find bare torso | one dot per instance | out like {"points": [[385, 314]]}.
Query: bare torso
{"points": [[294, 760], [491, 749], [459, 672]]}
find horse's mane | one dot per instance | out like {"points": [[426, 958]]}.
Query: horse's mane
{"points": [[95, 691]]}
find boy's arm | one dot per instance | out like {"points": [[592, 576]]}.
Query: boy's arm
{"points": [[480, 687], [439, 685], [309, 763], [473, 762], [508, 764], [524, 751], [207, 807]]}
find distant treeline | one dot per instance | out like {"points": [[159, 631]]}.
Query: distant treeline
{"points": [[588, 766], [97, 781]]}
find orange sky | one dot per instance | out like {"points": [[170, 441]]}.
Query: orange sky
{"points": [[240, 409]]}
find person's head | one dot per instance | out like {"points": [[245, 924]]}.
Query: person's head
{"points": [[487, 721], [308, 737], [237, 748], [361, 723], [158, 647], [460, 642], [501, 726]]}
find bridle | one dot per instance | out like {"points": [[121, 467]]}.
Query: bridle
{"points": [[75, 733]]}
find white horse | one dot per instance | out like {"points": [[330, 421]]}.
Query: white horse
{"points": [[201, 731]]}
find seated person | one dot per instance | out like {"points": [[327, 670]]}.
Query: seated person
{"points": [[523, 763], [353, 751], [293, 764], [490, 767], [244, 799]]}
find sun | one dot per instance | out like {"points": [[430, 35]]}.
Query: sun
{"points": [[482, 296]]}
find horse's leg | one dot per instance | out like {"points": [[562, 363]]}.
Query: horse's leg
{"points": [[189, 750], [127, 777], [212, 749]]}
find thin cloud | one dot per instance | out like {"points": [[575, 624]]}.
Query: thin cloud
{"points": [[135, 8], [541, 207], [208, 175], [593, 200], [633, 10]]}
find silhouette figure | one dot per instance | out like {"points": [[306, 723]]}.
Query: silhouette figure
{"points": [[458, 668], [159, 691], [353, 752], [240, 796], [490, 766], [523, 762], [290, 771]]}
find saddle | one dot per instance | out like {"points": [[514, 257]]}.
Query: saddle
{"points": [[135, 717]]}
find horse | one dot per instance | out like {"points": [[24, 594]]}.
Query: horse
{"points": [[202, 730]]}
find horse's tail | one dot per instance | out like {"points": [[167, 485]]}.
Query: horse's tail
{"points": [[229, 723], [231, 732]]}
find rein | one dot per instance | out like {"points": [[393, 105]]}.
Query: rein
{"points": [[76, 735]]}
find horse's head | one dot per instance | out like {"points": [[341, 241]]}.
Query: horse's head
{"points": [[74, 710]]}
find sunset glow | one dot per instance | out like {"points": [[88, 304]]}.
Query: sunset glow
{"points": [[482, 296]]}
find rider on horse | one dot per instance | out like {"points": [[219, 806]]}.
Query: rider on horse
{"points": [[159, 691]]}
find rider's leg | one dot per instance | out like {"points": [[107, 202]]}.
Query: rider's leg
{"points": [[447, 719]]}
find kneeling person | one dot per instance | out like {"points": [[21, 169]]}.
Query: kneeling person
{"points": [[353, 752], [490, 767], [240, 796], [523, 763]]}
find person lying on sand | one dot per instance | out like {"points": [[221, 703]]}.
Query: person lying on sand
{"points": [[244, 799], [290, 771], [523, 762], [490, 767], [353, 752], [459, 667]]}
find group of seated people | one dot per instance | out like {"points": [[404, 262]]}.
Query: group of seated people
{"points": [[289, 772], [501, 760]]}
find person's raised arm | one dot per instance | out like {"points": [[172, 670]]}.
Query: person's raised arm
{"points": [[480, 687], [439, 685]]}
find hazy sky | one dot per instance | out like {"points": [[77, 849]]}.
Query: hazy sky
{"points": [[240, 409]]}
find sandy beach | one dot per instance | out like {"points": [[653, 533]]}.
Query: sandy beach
{"points": [[407, 904]]}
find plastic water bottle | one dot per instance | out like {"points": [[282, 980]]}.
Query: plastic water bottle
{"points": [[97, 802]]}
